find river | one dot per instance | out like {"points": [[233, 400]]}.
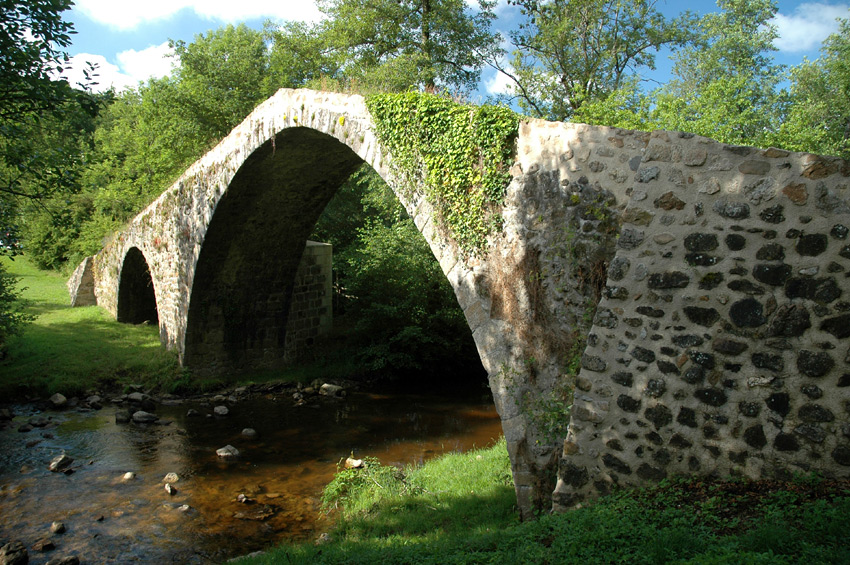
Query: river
{"points": [[282, 471]]}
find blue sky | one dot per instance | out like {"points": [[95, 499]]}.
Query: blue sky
{"points": [[129, 40]]}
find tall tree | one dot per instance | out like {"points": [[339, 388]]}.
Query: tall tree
{"points": [[32, 37], [220, 78], [725, 85], [299, 56], [569, 52], [819, 118], [395, 45]]}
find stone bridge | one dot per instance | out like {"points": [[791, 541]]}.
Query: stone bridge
{"points": [[701, 285]]}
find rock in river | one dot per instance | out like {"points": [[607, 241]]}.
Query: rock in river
{"points": [[57, 528], [142, 417], [58, 400], [250, 433], [67, 560], [221, 411], [60, 463], [227, 452], [331, 390], [14, 553], [43, 544]]}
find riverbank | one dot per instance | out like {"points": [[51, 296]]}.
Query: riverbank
{"points": [[82, 351], [460, 509]]}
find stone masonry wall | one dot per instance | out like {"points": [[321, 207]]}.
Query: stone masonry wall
{"points": [[311, 312], [720, 347]]}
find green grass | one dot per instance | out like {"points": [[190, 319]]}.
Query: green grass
{"points": [[71, 350], [460, 509]]}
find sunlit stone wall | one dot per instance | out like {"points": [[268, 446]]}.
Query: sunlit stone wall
{"points": [[720, 346]]}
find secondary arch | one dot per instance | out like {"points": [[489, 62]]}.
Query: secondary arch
{"points": [[136, 294]]}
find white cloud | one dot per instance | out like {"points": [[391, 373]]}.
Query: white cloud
{"points": [[127, 15], [154, 61], [499, 83], [808, 26], [133, 67]]}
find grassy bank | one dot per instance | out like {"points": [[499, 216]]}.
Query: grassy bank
{"points": [[71, 350], [460, 509]]}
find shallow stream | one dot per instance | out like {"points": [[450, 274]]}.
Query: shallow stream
{"points": [[282, 470]]}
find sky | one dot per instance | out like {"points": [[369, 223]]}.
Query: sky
{"points": [[129, 40]]}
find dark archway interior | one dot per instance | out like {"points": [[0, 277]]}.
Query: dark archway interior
{"points": [[243, 281], [136, 296]]}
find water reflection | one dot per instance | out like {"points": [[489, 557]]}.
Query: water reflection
{"points": [[281, 471]]}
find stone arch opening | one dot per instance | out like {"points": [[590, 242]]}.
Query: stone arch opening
{"points": [[136, 296], [242, 290], [242, 287]]}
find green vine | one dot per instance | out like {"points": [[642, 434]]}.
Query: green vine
{"points": [[462, 152]]}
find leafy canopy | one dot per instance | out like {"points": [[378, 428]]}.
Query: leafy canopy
{"points": [[395, 45], [819, 117], [569, 52]]}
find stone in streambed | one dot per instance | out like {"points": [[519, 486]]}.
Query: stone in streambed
{"points": [[67, 560], [57, 528], [14, 553], [221, 411], [227, 452], [43, 544], [249, 433], [58, 401], [142, 417], [60, 463], [122, 416], [328, 389]]}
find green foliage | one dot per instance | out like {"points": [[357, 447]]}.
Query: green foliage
{"points": [[220, 79], [394, 308], [350, 485], [570, 52], [43, 122], [462, 153], [12, 314], [725, 85], [32, 38], [627, 107], [819, 115], [460, 488], [396, 45]]}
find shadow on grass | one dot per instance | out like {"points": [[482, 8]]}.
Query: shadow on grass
{"points": [[618, 529], [423, 529]]}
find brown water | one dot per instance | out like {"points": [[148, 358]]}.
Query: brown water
{"points": [[283, 470]]}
